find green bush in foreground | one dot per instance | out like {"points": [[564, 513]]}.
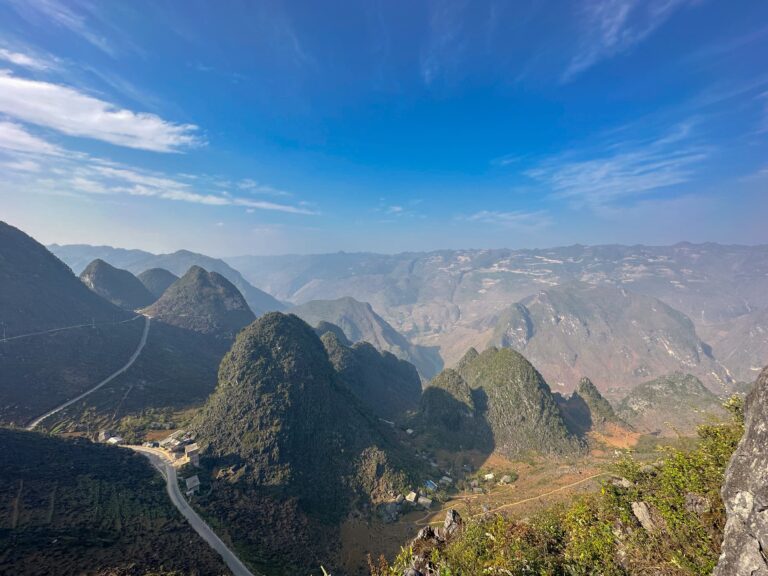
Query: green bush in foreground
{"points": [[600, 534]]}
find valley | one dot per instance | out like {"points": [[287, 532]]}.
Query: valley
{"points": [[321, 433]]}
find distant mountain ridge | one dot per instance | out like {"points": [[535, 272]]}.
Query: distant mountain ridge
{"points": [[445, 298], [138, 261], [623, 337]]}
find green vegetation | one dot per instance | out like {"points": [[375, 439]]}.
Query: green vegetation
{"points": [[607, 534], [71, 507], [516, 403]]}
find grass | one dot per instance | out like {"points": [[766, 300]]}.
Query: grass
{"points": [[598, 534]]}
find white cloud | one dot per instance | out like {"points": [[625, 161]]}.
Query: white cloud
{"points": [[23, 60], [622, 169], [609, 27], [22, 166], [15, 138], [76, 114], [517, 219], [395, 210]]}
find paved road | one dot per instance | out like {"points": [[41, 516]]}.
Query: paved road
{"points": [[63, 328], [160, 461], [108, 379]]}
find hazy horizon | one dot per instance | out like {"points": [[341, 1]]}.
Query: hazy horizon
{"points": [[381, 253], [274, 128]]}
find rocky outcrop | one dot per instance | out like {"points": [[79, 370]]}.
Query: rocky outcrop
{"points": [[745, 493], [429, 539]]}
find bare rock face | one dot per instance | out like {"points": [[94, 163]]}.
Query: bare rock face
{"points": [[429, 539], [745, 493]]}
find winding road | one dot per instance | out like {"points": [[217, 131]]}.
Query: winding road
{"points": [[163, 464], [160, 461], [34, 424]]}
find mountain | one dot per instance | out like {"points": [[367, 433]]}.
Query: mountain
{"points": [[63, 339], [72, 507], [39, 291], [447, 298], [745, 491], [204, 302], [509, 396], [388, 386], [741, 343], [586, 410], [293, 449], [118, 286], [157, 280], [623, 337], [59, 336], [670, 404], [360, 323], [178, 263]]}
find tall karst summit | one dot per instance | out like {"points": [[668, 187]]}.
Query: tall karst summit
{"points": [[203, 302], [500, 393], [299, 446]]}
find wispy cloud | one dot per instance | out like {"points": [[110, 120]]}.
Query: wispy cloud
{"points": [[622, 169], [514, 219], [445, 45], [15, 138], [63, 16], [64, 171], [609, 27], [74, 113], [254, 187], [24, 60]]}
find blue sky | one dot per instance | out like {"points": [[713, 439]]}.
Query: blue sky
{"points": [[282, 127]]}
